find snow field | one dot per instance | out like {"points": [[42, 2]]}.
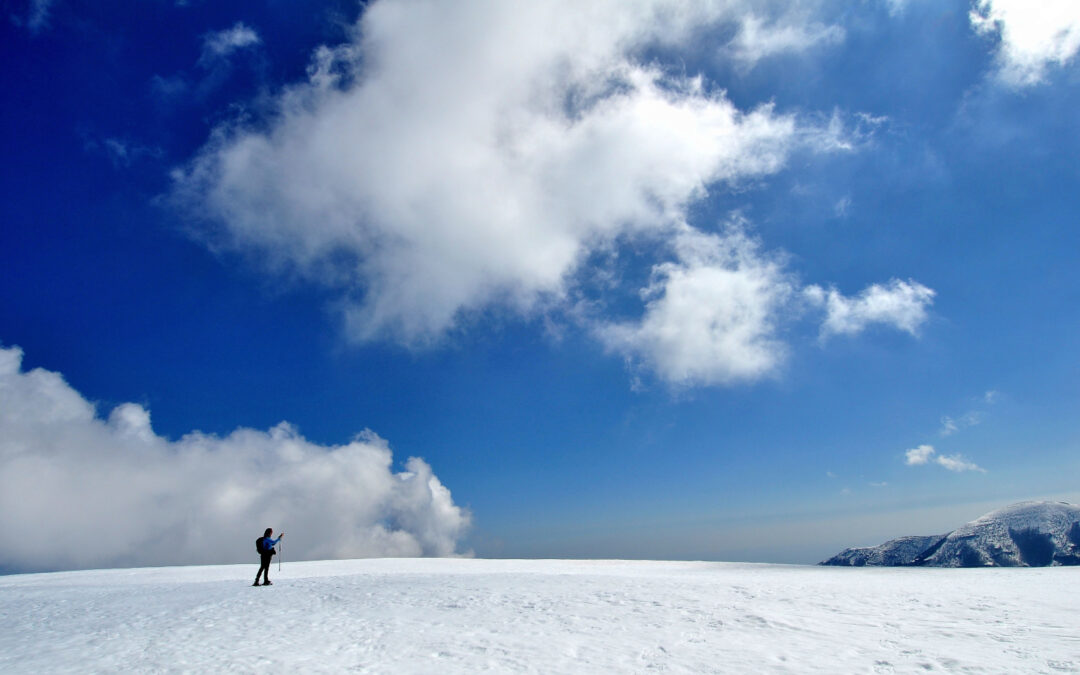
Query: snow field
{"points": [[543, 616]]}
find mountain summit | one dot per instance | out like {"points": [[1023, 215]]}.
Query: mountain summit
{"points": [[1027, 534]]}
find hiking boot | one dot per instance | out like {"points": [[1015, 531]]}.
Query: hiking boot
{"points": [[267, 583]]}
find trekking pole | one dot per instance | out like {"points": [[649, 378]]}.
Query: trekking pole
{"points": [[281, 546]]}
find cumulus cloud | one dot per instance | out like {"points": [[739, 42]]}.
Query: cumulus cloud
{"points": [[453, 159], [1034, 36], [220, 44], [80, 491], [900, 304], [919, 455], [711, 316], [926, 454], [714, 314], [457, 157]]}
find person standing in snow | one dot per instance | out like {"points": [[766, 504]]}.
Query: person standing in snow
{"points": [[265, 546]]}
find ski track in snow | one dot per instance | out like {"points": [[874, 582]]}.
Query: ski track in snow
{"points": [[542, 616]]}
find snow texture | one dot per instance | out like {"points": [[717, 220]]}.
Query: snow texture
{"points": [[1027, 534], [464, 616]]}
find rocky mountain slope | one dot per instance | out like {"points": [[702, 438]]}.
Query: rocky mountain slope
{"points": [[1028, 534]]}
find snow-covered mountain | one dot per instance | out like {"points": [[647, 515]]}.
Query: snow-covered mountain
{"points": [[1027, 534], [894, 553]]}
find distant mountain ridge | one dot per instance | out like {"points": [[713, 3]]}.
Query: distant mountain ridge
{"points": [[1027, 534]]}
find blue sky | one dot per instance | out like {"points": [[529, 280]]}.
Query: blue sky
{"points": [[744, 281]]}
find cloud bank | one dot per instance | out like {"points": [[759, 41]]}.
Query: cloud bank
{"points": [[457, 158], [79, 491]]}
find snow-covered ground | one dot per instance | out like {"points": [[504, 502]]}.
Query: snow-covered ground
{"points": [[463, 616]]}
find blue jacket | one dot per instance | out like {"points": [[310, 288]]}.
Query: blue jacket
{"points": [[269, 544]]}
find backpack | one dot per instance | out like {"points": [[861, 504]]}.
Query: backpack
{"points": [[259, 545]]}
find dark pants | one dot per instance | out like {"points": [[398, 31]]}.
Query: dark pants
{"points": [[264, 567]]}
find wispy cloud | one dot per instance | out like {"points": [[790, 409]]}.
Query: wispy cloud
{"points": [[220, 44], [215, 65], [78, 490], [926, 454], [951, 425], [122, 153], [36, 18], [957, 463], [758, 39]]}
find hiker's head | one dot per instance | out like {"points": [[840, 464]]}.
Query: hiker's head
{"points": [[269, 531]]}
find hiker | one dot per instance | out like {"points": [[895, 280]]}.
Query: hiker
{"points": [[265, 546]]}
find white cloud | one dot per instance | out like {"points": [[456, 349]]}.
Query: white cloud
{"points": [[80, 491], [220, 44], [454, 159], [758, 39], [919, 455], [1034, 35], [957, 463], [951, 425], [896, 6], [711, 316], [925, 454], [458, 157], [901, 304]]}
